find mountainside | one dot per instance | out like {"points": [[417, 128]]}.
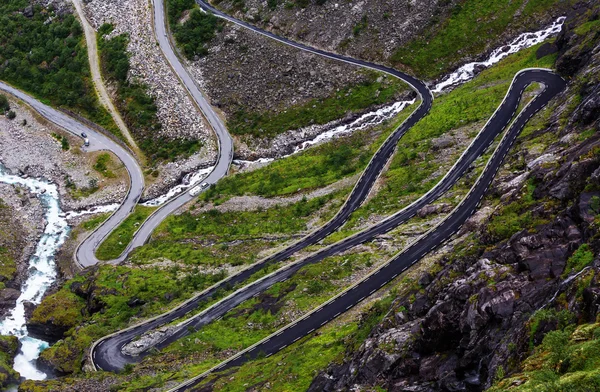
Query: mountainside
{"points": [[531, 270], [509, 300]]}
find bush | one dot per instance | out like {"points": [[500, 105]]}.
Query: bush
{"points": [[580, 259], [557, 345], [193, 35], [11, 115], [4, 105]]}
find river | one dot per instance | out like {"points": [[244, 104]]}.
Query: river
{"points": [[40, 274]]}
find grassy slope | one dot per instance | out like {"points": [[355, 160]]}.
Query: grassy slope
{"points": [[468, 32], [236, 237], [355, 99], [49, 60], [119, 238]]}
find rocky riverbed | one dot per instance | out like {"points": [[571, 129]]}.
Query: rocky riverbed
{"points": [[28, 147], [21, 223]]}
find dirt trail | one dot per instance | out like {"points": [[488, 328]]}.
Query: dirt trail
{"points": [[92, 49]]}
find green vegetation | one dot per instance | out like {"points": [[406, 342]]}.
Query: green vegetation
{"points": [[316, 168], [99, 302], [375, 90], [45, 55], [4, 104], [10, 247], [137, 107], [360, 26], [102, 163], [198, 30], [567, 360], [236, 236], [62, 310], [9, 346], [8, 266], [290, 369], [516, 216], [64, 141], [580, 259], [467, 31], [119, 238], [94, 222], [78, 193]]}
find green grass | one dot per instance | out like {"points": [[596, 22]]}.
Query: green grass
{"points": [[94, 222], [587, 27], [468, 31], [107, 308], [580, 259], [102, 165], [236, 236], [375, 90], [567, 360], [9, 347], [8, 266], [119, 238]]}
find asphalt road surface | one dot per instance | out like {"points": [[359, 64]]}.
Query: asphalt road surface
{"points": [[224, 139], [85, 252], [554, 84], [107, 353]]}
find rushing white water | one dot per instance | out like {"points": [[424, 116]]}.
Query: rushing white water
{"points": [[188, 181], [525, 40], [91, 211], [366, 120], [41, 273]]}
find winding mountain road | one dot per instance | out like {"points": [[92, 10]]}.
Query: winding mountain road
{"points": [[85, 253], [349, 298], [107, 353]]}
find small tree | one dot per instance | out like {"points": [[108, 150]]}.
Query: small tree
{"points": [[11, 115]]}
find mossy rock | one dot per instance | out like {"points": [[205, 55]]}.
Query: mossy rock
{"points": [[9, 346]]}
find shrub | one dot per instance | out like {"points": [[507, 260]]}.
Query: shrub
{"points": [[4, 105], [580, 259]]}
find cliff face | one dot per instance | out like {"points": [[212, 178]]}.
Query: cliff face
{"points": [[470, 323]]}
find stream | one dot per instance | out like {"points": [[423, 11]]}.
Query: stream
{"points": [[40, 274]]}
